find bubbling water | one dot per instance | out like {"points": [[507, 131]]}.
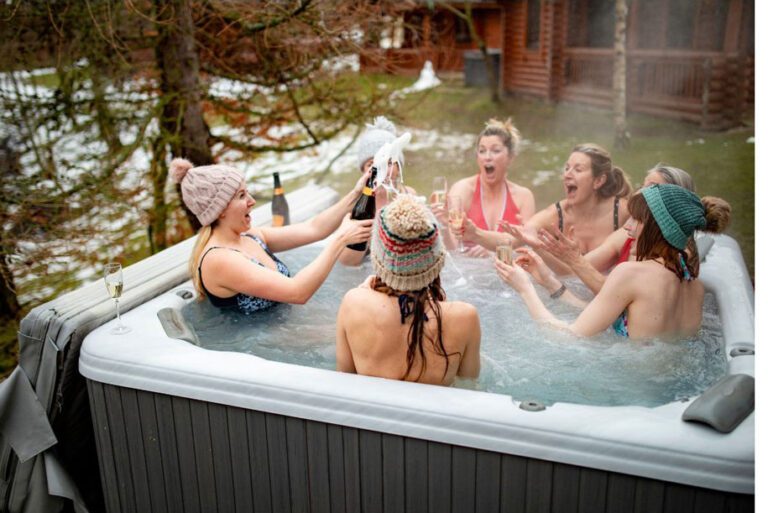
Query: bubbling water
{"points": [[520, 357]]}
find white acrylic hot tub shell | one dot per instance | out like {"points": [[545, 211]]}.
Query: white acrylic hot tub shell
{"points": [[648, 442]]}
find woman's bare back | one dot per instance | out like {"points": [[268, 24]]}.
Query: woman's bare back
{"points": [[369, 323]]}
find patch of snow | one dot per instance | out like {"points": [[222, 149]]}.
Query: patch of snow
{"points": [[543, 176], [343, 63], [427, 80]]}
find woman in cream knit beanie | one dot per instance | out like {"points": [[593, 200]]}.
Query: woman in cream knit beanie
{"points": [[399, 325], [658, 295], [376, 135], [233, 263]]}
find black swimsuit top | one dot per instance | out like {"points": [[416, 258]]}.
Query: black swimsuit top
{"points": [[242, 302], [561, 224]]}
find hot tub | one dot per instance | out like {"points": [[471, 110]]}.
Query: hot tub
{"points": [[182, 428]]}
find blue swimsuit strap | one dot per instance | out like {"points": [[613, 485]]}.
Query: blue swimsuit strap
{"points": [[250, 236], [262, 244]]}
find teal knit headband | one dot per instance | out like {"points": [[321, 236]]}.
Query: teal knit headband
{"points": [[677, 211]]}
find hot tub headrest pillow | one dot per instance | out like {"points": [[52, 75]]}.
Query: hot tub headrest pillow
{"points": [[725, 404]]}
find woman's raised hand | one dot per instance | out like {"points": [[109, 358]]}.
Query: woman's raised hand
{"points": [[558, 244], [440, 212], [513, 275], [531, 262], [525, 234], [352, 232], [469, 229], [358, 190]]}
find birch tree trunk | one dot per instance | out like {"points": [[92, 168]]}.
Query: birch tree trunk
{"points": [[620, 133]]}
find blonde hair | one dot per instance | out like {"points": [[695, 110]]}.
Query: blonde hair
{"points": [[506, 131], [203, 236]]}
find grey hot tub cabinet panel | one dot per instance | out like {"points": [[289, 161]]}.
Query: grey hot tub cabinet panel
{"points": [[161, 453], [49, 349]]}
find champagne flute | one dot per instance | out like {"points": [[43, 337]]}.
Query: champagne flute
{"points": [[439, 190], [113, 278], [504, 253], [456, 216]]}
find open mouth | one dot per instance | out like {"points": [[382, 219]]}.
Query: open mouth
{"points": [[570, 189], [489, 168]]}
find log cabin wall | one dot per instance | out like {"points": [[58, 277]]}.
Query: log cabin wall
{"points": [[691, 60], [527, 59]]}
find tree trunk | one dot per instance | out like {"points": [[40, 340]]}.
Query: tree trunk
{"points": [[621, 135], [10, 167], [9, 305], [158, 175], [182, 123]]}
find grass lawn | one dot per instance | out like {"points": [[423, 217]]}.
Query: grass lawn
{"points": [[721, 163]]}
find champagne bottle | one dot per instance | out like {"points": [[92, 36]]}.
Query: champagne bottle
{"points": [[365, 208], [280, 214]]}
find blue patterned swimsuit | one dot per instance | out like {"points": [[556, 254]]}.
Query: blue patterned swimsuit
{"points": [[242, 302]]}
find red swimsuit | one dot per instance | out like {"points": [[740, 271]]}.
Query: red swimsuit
{"points": [[625, 249], [477, 215]]}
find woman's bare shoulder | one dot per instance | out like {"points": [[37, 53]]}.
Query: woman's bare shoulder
{"points": [[516, 188], [544, 217], [633, 273], [463, 186], [358, 293], [459, 310]]}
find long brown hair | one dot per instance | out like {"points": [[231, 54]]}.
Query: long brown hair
{"points": [[427, 298], [651, 243], [616, 181]]}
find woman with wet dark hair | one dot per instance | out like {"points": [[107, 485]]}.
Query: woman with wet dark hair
{"points": [[398, 324]]}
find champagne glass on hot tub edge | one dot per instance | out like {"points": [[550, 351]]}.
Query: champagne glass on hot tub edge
{"points": [[113, 279]]}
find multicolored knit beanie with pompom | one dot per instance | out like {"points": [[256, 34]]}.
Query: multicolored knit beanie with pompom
{"points": [[406, 248]]}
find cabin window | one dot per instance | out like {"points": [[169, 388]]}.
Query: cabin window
{"points": [[413, 30], [533, 25], [591, 23], [461, 30], [681, 24], [440, 27]]}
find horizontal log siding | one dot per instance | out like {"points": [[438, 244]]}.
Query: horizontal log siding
{"points": [[709, 89], [525, 70], [169, 454]]}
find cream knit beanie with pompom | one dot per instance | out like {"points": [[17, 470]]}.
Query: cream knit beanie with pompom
{"points": [[206, 190], [381, 132]]}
